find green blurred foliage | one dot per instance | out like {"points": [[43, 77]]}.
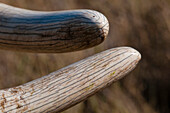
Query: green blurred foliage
{"points": [[142, 24]]}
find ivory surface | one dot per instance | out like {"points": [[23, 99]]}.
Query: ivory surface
{"points": [[50, 32]]}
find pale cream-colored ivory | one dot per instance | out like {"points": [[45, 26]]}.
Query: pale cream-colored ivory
{"points": [[70, 85], [34, 31], [50, 32]]}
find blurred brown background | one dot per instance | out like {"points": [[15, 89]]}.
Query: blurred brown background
{"points": [[141, 24]]}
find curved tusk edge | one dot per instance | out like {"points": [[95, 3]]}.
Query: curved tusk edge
{"points": [[70, 85]]}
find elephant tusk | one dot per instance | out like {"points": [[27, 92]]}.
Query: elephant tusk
{"points": [[70, 85], [50, 32]]}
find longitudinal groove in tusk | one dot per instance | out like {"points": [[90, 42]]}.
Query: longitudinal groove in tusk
{"points": [[50, 32], [70, 85]]}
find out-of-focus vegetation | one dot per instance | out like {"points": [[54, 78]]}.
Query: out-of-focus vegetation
{"points": [[142, 24]]}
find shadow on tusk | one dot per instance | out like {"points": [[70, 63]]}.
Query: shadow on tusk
{"points": [[70, 85], [50, 32]]}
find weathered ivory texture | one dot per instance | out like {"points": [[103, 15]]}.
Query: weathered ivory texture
{"points": [[70, 85], [50, 32]]}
